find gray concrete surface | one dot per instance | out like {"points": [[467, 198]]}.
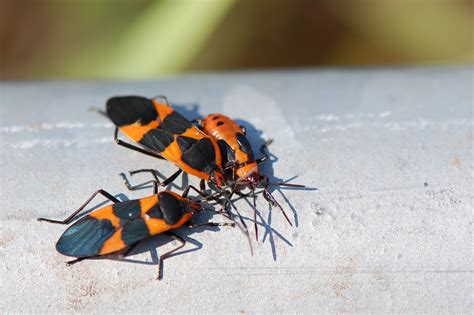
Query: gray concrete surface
{"points": [[389, 230]]}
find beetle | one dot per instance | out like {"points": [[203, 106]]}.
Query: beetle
{"points": [[238, 160], [120, 227], [166, 134]]}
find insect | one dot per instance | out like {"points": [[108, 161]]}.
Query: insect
{"points": [[238, 160], [166, 134], [120, 227]]}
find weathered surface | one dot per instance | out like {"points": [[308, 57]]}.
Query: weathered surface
{"points": [[389, 229]]}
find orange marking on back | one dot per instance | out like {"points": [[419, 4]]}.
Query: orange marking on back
{"points": [[147, 203], [162, 109], [136, 131], [113, 243], [157, 226], [173, 153], [106, 213]]}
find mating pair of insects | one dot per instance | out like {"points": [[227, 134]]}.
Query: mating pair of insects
{"points": [[214, 149]]}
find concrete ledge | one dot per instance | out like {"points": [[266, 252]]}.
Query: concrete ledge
{"points": [[389, 229]]}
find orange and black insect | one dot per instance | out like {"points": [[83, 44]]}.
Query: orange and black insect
{"points": [[238, 160], [167, 135], [119, 227]]}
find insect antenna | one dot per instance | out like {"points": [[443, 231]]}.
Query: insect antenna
{"points": [[99, 111], [254, 207], [246, 233]]}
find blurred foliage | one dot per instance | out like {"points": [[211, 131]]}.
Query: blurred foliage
{"points": [[135, 39]]}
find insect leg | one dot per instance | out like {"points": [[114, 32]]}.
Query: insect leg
{"points": [[170, 179], [75, 213], [228, 201], [134, 148], [269, 197], [154, 181], [129, 250], [202, 194], [75, 261], [202, 185], [189, 187], [169, 253], [161, 98], [255, 212], [244, 229], [264, 151]]}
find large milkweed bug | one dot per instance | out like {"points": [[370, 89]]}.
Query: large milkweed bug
{"points": [[124, 224], [238, 160], [159, 128], [166, 134]]}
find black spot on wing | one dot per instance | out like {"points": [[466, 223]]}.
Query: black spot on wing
{"points": [[157, 139], [155, 212], [245, 145], [175, 123], [126, 110], [185, 143], [220, 123], [85, 237], [199, 154], [127, 210], [171, 207], [134, 231], [215, 117], [228, 155], [134, 227]]}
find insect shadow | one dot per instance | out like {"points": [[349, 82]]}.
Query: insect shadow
{"points": [[257, 140]]}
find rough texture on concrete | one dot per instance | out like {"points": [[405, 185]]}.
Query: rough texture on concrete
{"points": [[389, 230]]}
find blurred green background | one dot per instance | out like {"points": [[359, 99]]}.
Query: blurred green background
{"points": [[140, 39]]}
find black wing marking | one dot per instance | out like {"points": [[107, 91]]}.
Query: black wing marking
{"points": [[85, 238], [127, 110]]}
